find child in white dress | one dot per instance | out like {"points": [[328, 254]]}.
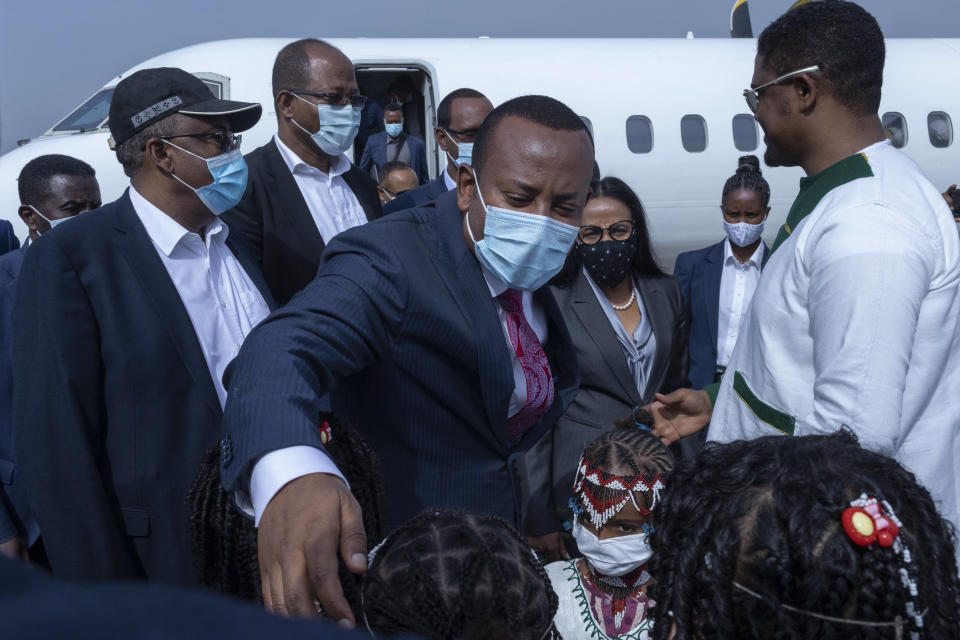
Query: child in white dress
{"points": [[619, 481]]}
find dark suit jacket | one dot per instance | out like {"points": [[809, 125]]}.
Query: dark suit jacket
{"points": [[400, 325], [607, 389], [375, 153], [8, 241], [698, 273], [33, 605], [16, 518], [113, 401], [276, 221], [417, 197]]}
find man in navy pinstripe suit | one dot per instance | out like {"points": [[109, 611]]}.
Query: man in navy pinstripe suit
{"points": [[433, 334]]}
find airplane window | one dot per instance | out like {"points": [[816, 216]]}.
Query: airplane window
{"points": [[639, 134], [589, 124], [215, 87], [90, 115], [693, 133], [744, 132], [940, 129], [895, 126]]}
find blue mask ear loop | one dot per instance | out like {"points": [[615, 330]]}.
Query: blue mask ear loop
{"points": [[476, 185]]}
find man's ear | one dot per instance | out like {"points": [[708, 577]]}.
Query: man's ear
{"points": [[28, 216], [806, 90], [157, 152], [284, 104], [441, 137], [766, 213], [466, 185]]}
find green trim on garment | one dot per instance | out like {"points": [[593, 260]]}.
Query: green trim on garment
{"points": [[783, 422], [713, 390], [589, 624], [815, 187]]}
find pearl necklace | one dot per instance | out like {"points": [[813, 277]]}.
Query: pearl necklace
{"points": [[625, 305]]}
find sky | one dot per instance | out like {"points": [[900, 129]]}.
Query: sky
{"points": [[54, 54]]}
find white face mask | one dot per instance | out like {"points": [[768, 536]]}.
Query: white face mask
{"points": [[614, 556], [743, 234]]}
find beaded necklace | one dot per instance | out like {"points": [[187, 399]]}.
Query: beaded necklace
{"points": [[620, 600]]}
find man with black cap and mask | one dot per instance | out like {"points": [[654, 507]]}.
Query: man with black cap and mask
{"points": [[124, 321], [303, 188]]}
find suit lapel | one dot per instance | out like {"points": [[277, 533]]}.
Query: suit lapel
{"points": [[463, 277], [135, 245], [283, 189], [711, 290], [659, 317], [595, 324]]}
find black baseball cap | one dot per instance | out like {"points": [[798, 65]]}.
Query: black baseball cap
{"points": [[150, 95]]}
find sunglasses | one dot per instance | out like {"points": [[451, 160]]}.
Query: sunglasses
{"points": [[752, 96], [335, 99]]}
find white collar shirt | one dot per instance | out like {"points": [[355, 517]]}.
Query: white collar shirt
{"points": [[537, 319], [219, 296], [450, 183], [332, 204], [737, 284]]}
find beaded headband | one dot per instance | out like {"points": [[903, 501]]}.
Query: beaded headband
{"points": [[603, 495]]}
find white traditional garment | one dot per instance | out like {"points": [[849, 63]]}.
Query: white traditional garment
{"points": [[856, 323], [579, 608]]}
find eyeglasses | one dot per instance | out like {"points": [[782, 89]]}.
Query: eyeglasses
{"points": [[467, 135], [336, 99], [619, 231], [226, 140], [752, 96]]}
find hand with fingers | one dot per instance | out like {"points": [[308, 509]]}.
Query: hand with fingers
{"points": [[15, 548], [550, 547], [680, 414], [302, 530]]}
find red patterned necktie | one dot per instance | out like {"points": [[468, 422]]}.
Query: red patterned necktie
{"points": [[536, 367]]}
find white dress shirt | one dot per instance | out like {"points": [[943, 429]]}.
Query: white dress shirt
{"points": [[449, 181], [278, 468], [332, 203], [640, 347], [221, 300], [737, 284], [854, 323]]}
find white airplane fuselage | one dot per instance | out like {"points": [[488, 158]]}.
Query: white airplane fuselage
{"points": [[607, 81]]}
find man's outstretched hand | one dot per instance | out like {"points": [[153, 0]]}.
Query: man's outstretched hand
{"points": [[301, 530], [550, 547], [679, 414]]}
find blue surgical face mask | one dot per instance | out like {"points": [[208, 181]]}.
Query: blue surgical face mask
{"points": [[464, 151], [523, 250], [229, 172], [338, 127], [394, 129], [54, 222]]}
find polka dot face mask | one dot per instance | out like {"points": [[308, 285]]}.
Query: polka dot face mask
{"points": [[608, 262]]}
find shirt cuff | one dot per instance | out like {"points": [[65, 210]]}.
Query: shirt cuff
{"points": [[278, 468]]}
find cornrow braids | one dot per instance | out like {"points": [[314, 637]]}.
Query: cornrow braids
{"points": [[225, 540], [448, 574], [749, 543], [748, 176], [628, 451]]}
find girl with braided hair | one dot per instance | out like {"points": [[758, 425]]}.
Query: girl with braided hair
{"points": [[225, 540], [718, 282], [448, 574], [618, 484], [802, 537]]}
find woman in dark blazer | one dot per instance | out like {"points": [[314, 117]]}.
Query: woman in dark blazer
{"points": [[628, 326]]}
